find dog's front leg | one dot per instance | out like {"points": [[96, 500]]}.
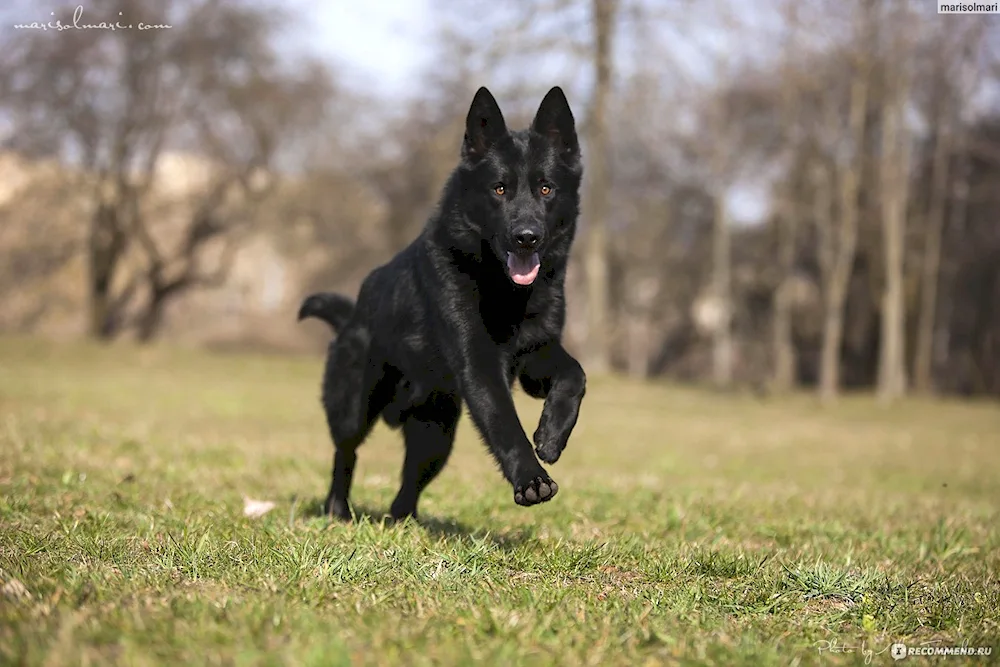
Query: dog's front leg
{"points": [[550, 372], [491, 407]]}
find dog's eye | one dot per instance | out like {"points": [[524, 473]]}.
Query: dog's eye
{"points": [[545, 190], [499, 189]]}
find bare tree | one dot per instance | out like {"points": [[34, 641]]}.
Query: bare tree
{"points": [[208, 84], [933, 227], [723, 165], [788, 213], [894, 190], [598, 339], [838, 246], [722, 332], [948, 86]]}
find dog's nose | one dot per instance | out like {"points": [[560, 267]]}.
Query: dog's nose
{"points": [[527, 239]]}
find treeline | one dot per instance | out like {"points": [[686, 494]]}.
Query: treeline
{"points": [[805, 195]]}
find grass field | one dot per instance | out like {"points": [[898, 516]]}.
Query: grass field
{"points": [[689, 527]]}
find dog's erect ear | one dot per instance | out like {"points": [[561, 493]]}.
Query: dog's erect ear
{"points": [[484, 125], [555, 121]]}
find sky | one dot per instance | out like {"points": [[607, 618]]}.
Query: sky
{"points": [[380, 44]]}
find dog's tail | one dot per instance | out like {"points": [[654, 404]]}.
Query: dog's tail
{"points": [[333, 309]]}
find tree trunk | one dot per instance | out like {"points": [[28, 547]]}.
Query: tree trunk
{"points": [[106, 243], [783, 347], [722, 337], [956, 226], [151, 320], [99, 316], [638, 345], [842, 245], [930, 269], [596, 258], [947, 181], [894, 181]]}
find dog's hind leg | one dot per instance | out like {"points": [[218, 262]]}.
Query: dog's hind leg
{"points": [[355, 390], [551, 373], [430, 435]]}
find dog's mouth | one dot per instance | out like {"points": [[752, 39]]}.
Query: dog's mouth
{"points": [[523, 269]]}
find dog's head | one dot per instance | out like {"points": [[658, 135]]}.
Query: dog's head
{"points": [[521, 189]]}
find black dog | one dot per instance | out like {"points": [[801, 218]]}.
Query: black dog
{"points": [[475, 302]]}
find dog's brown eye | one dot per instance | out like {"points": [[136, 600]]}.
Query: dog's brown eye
{"points": [[545, 190], [499, 189]]}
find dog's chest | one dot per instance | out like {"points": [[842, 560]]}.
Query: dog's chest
{"points": [[520, 322]]}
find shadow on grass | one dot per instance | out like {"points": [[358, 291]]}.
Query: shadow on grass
{"points": [[438, 527]]}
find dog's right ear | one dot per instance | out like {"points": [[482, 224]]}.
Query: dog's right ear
{"points": [[484, 126]]}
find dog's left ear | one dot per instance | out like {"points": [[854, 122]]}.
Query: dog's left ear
{"points": [[554, 120]]}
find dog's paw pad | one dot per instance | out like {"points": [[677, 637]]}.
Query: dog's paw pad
{"points": [[536, 491]]}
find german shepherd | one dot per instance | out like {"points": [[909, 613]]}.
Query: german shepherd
{"points": [[474, 303]]}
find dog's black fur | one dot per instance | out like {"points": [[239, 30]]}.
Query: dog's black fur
{"points": [[453, 317]]}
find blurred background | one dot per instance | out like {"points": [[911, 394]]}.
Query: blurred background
{"points": [[779, 194]]}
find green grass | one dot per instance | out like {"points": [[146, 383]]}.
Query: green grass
{"points": [[689, 527]]}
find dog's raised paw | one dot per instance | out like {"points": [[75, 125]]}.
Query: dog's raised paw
{"points": [[549, 446], [538, 490], [548, 452]]}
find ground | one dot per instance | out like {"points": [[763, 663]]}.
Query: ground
{"points": [[689, 527]]}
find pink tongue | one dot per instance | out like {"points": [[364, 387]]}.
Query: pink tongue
{"points": [[523, 271]]}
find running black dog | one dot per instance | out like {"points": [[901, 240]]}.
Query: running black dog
{"points": [[475, 302]]}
